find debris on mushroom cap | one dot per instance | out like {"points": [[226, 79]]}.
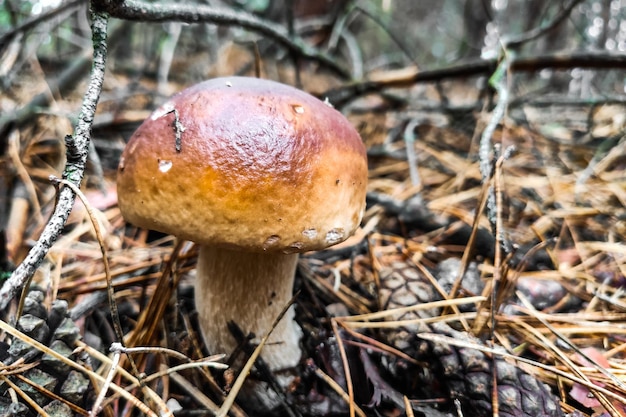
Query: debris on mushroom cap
{"points": [[259, 166]]}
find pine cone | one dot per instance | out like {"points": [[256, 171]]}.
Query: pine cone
{"points": [[465, 373], [56, 330], [468, 374]]}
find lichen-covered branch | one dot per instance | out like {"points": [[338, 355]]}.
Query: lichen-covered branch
{"points": [[77, 152], [499, 82]]}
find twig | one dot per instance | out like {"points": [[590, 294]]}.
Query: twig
{"points": [[36, 20], [373, 344], [471, 242], [498, 271], [407, 407], [97, 405], [399, 311], [105, 260], [376, 18], [346, 367], [118, 390], [194, 392], [498, 81], [17, 220], [77, 152], [194, 13], [340, 96], [22, 173], [337, 388], [519, 40]]}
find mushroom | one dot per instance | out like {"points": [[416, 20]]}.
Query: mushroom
{"points": [[255, 172]]}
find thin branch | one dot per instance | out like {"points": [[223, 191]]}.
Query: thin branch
{"points": [[194, 13], [499, 82], [64, 83], [77, 152], [516, 41], [32, 22], [376, 18], [341, 96]]}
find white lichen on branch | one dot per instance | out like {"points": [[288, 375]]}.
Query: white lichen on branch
{"points": [[77, 151]]}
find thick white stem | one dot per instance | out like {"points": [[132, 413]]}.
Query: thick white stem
{"points": [[250, 289]]}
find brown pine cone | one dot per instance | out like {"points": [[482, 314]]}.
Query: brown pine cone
{"points": [[55, 329], [468, 375], [465, 373]]}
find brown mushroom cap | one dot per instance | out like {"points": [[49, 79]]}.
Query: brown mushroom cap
{"points": [[262, 167]]}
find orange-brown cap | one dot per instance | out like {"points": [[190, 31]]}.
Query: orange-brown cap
{"points": [[261, 166]]}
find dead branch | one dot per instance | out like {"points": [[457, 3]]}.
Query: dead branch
{"points": [[194, 13], [65, 82], [36, 20], [341, 96], [519, 40]]}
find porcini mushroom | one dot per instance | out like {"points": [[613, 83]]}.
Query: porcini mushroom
{"points": [[255, 172]]}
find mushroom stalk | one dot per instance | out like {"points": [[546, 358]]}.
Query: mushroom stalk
{"points": [[250, 289]]}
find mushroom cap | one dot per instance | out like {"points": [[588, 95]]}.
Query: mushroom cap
{"points": [[261, 166]]}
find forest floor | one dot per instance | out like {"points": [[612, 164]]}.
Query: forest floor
{"points": [[542, 263]]}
